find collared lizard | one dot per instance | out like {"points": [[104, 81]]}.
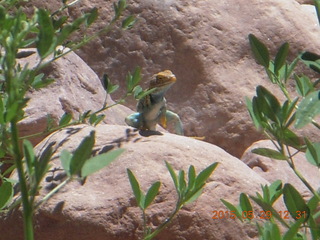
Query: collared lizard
{"points": [[152, 109]]}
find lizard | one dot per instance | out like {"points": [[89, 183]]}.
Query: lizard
{"points": [[152, 108]]}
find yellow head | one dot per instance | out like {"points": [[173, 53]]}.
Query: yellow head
{"points": [[162, 80]]}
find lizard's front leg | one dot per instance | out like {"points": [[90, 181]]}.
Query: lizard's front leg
{"points": [[135, 120]]}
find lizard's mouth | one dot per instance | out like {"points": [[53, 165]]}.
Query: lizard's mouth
{"points": [[171, 80]]}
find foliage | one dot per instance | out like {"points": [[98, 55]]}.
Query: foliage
{"points": [[51, 34], [187, 193], [279, 122]]}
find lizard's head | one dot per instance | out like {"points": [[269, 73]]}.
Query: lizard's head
{"points": [[162, 81]]}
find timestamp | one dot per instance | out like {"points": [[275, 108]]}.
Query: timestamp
{"points": [[220, 214]]}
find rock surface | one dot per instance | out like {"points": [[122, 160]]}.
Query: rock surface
{"points": [[205, 44], [104, 207], [76, 90], [272, 169]]}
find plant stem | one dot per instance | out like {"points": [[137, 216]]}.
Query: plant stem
{"points": [[144, 222], [300, 176], [165, 223], [53, 191], [27, 208], [16, 152]]}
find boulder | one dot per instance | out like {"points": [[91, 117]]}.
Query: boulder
{"points": [[205, 43], [104, 206], [272, 169], [76, 89]]}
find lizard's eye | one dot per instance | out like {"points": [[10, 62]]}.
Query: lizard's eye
{"points": [[160, 78]]}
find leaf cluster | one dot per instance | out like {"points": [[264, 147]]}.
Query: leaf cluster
{"points": [[187, 192], [279, 121], [301, 213]]}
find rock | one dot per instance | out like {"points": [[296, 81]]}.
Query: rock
{"points": [[272, 169], [205, 44], [76, 90], [104, 207]]}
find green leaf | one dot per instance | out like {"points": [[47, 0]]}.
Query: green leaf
{"points": [[173, 175], [65, 158], [92, 17], [82, 153], [266, 194], [303, 85], [289, 117], [292, 67], [291, 139], [98, 162], [267, 152], [151, 194], [129, 82], [116, 9], [135, 188], [112, 89], [2, 153], [182, 183], [191, 177], [205, 174], [232, 207], [64, 34], [313, 203], [84, 116], [256, 119], [245, 203], [312, 60], [293, 230], [259, 50], [314, 230], [269, 231], [11, 111], [95, 120], [57, 23], [67, 30], [268, 207], [119, 7], [2, 15], [281, 57], [42, 166], [6, 193], [275, 190], [194, 196], [317, 6], [29, 156], [294, 202], [268, 104], [2, 118], [108, 86], [122, 4], [142, 94], [40, 82], [137, 91], [308, 108], [65, 119], [136, 77], [313, 153], [128, 22], [46, 34]]}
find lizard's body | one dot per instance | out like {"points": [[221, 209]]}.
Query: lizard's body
{"points": [[152, 109]]}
